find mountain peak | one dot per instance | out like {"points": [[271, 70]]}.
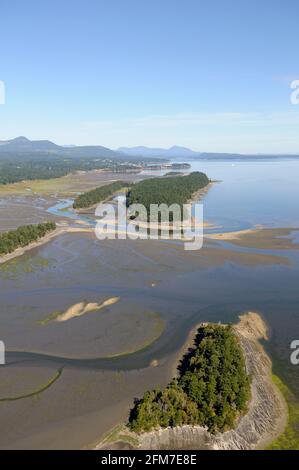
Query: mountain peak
{"points": [[21, 138], [173, 152]]}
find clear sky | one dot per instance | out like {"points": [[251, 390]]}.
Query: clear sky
{"points": [[209, 75]]}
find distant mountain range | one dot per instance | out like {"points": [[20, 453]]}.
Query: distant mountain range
{"points": [[21, 146], [177, 152]]}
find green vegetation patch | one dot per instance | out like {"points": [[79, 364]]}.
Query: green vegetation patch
{"points": [[174, 190], [27, 264], [289, 439], [97, 195], [50, 317], [120, 433], [213, 388], [39, 390], [42, 166], [23, 236]]}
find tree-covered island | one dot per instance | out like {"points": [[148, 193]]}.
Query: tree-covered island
{"points": [[175, 190], [213, 388], [97, 195]]}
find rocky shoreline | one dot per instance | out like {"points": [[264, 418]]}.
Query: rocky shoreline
{"points": [[264, 422]]}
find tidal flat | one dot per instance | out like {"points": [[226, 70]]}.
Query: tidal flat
{"points": [[112, 356], [107, 357]]}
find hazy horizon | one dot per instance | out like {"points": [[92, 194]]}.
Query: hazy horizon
{"points": [[154, 147]]}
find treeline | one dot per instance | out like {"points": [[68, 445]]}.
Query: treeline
{"points": [[14, 170], [212, 391], [23, 236], [98, 195], [177, 189]]}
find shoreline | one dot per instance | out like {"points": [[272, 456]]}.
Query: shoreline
{"points": [[200, 193], [23, 249], [42, 241], [67, 229], [264, 421], [234, 235]]}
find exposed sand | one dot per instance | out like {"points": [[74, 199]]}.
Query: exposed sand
{"points": [[82, 308], [260, 237], [20, 251], [233, 235]]}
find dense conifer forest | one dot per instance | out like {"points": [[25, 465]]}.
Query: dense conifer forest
{"points": [[213, 388], [177, 189], [97, 195]]}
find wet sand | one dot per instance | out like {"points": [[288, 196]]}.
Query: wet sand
{"points": [[260, 238], [109, 359], [20, 251], [92, 395], [42, 241]]}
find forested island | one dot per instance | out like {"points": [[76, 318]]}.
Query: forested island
{"points": [[177, 189], [213, 389], [97, 195], [23, 236]]}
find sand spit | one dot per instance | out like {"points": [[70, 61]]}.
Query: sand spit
{"points": [[260, 237], [233, 235], [82, 308], [264, 422]]}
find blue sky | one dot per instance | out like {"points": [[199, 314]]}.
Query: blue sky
{"points": [[210, 75]]}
